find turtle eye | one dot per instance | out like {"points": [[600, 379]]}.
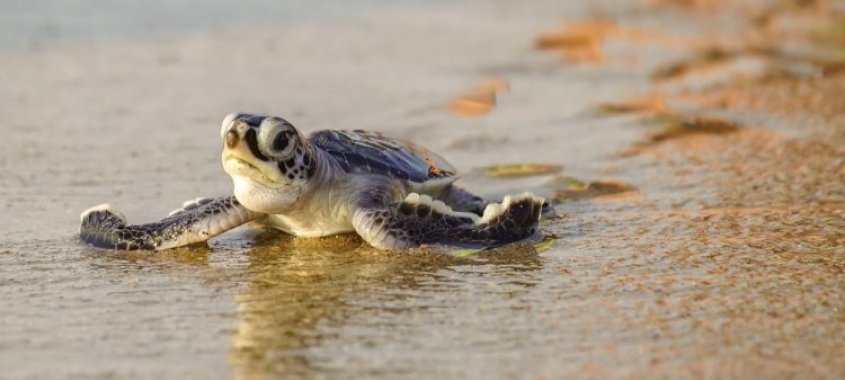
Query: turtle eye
{"points": [[277, 138], [280, 142], [280, 145]]}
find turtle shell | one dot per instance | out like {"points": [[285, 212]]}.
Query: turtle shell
{"points": [[372, 152]]}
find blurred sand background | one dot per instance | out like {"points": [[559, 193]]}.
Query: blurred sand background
{"points": [[695, 148]]}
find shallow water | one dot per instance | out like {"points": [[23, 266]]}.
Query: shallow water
{"points": [[698, 272]]}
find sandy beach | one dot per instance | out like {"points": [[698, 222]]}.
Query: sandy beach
{"points": [[694, 151]]}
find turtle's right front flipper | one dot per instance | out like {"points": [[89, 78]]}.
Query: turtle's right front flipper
{"points": [[197, 221]]}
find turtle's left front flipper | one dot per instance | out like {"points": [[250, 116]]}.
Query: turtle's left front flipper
{"points": [[198, 221]]}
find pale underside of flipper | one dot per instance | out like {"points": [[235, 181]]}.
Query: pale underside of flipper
{"points": [[197, 221], [419, 220]]}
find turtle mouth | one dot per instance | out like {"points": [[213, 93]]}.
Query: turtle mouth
{"points": [[232, 161], [238, 166]]}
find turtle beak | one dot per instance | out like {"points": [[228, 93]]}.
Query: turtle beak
{"points": [[231, 139], [227, 124], [233, 132]]}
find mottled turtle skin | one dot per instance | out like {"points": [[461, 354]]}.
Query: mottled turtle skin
{"points": [[393, 194]]}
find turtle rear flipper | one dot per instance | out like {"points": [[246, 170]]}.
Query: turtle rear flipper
{"points": [[462, 200], [419, 219], [104, 227]]}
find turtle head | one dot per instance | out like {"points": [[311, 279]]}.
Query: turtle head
{"points": [[269, 161]]}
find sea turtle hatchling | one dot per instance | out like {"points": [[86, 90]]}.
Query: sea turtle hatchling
{"points": [[393, 194]]}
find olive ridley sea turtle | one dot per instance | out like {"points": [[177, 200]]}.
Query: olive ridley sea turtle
{"points": [[393, 194]]}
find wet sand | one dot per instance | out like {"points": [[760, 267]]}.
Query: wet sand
{"points": [[700, 232]]}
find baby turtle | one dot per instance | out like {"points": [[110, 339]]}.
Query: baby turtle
{"points": [[393, 194]]}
